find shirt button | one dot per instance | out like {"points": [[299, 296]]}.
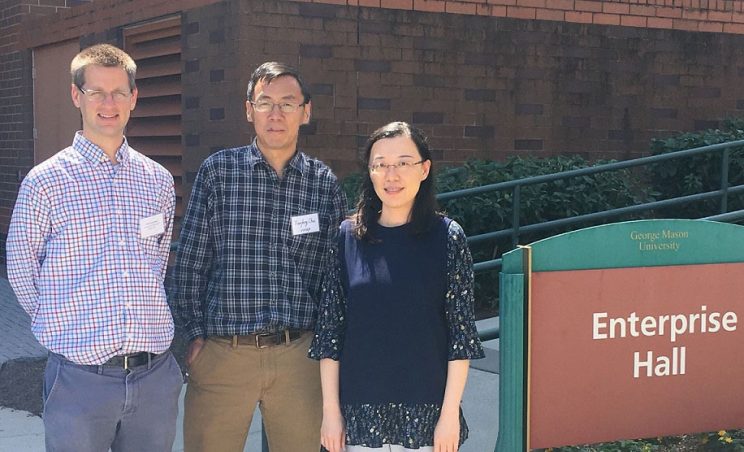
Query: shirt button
{"points": [[126, 273], [122, 243]]}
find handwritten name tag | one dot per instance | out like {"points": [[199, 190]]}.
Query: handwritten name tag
{"points": [[150, 226], [305, 224]]}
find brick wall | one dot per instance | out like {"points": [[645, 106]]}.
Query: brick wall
{"points": [[16, 100], [480, 86], [692, 15]]}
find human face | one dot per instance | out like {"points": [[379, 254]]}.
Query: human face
{"points": [[277, 132], [397, 186], [104, 121]]}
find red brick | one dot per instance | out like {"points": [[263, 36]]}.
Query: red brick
{"points": [[502, 2], [396, 4], [633, 21], [720, 16], [561, 4], [606, 19], [710, 27], [586, 5], [674, 13], [689, 25], [460, 7], [521, 13], [658, 22], [615, 8], [579, 16], [642, 10], [495, 10], [551, 14], [737, 17], [694, 14], [734, 28], [434, 6], [531, 3], [370, 3]]}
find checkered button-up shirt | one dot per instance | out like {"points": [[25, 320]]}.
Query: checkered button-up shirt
{"points": [[78, 259], [239, 267]]}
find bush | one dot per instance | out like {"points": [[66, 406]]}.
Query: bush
{"points": [[686, 176]]}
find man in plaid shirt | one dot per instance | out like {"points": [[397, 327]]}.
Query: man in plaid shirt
{"points": [[87, 253], [247, 278]]}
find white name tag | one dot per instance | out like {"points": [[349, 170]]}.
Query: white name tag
{"points": [[305, 224], [150, 226]]}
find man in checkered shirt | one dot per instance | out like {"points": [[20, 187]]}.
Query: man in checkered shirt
{"points": [[247, 279], [87, 253]]}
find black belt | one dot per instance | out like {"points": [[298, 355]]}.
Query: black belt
{"points": [[131, 360], [264, 340]]}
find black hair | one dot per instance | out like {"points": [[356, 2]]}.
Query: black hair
{"points": [[271, 70], [369, 205]]}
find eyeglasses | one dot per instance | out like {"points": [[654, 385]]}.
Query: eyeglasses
{"points": [[100, 96], [263, 106], [401, 167]]}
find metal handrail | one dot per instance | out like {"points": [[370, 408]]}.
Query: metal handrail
{"points": [[587, 171], [515, 185]]}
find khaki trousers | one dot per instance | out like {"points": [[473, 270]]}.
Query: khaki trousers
{"points": [[227, 381]]}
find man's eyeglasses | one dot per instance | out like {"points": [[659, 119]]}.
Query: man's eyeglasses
{"points": [[263, 106], [100, 96], [401, 167]]}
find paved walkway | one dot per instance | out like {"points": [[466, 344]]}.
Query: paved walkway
{"points": [[24, 432], [16, 340]]}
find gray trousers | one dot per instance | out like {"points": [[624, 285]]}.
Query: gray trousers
{"points": [[94, 408]]}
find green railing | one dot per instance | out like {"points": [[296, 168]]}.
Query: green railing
{"points": [[515, 186]]}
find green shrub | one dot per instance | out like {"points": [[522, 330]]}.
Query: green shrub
{"points": [[701, 173]]}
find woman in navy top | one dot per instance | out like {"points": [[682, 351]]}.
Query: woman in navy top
{"points": [[396, 329]]}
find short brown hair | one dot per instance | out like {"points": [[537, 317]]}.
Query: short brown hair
{"points": [[104, 55]]}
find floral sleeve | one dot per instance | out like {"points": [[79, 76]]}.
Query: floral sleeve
{"points": [[331, 323], [463, 342]]}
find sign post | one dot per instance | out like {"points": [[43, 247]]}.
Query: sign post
{"points": [[622, 331]]}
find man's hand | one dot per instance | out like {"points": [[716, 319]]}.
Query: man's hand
{"points": [[194, 348]]}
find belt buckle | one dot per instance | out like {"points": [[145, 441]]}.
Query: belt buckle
{"points": [[258, 342], [126, 362]]}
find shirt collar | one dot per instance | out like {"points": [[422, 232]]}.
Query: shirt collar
{"points": [[94, 154], [298, 160]]}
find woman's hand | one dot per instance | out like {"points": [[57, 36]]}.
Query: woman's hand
{"points": [[447, 433], [332, 435]]}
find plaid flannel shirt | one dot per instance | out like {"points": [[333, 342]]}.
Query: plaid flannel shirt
{"points": [[239, 268]]}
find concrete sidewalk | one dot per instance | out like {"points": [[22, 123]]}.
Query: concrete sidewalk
{"points": [[23, 432]]}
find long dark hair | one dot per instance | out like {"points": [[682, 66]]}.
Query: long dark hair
{"points": [[369, 205]]}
